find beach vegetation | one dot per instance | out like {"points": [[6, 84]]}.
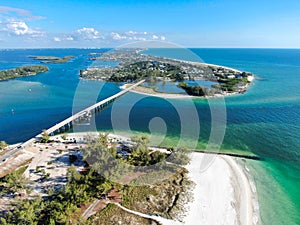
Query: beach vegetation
{"points": [[194, 90], [22, 71], [64, 137], [179, 156], [3, 145], [45, 137], [60, 206], [63, 206], [14, 182]]}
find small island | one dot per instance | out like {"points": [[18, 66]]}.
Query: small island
{"points": [[95, 55], [52, 59], [22, 71], [133, 66]]}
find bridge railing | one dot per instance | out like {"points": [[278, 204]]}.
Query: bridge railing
{"points": [[88, 110]]}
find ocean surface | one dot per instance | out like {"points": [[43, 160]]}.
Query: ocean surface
{"points": [[264, 121]]}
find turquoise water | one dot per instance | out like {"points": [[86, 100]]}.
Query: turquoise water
{"points": [[265, 120]]}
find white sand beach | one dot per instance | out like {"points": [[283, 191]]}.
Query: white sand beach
{"points": [[222, 194], [149, 92]]}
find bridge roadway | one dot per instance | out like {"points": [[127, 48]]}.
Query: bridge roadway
{"points": [[67, 123], [88, 111]]}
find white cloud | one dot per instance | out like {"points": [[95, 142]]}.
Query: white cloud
{"points": [[135, 36], [69, 38], [132, 33], [88, 33], [14, 21], [117, 36], [79, 35], [154, 37], [20, 28], [63, 38], [56, 39]]}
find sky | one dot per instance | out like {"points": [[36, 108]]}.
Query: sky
{"points": [[111, 23]]}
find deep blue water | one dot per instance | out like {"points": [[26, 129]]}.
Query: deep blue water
{"points": [[265, 120]]}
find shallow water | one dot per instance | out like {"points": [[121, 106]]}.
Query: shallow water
{"points": [[265, 120]]}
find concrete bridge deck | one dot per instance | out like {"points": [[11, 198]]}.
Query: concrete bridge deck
{"points": [[90, 110], [67, 123]]}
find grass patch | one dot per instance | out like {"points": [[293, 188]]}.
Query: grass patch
{"points": [[160, 198], [112, 215], [21, 170]]}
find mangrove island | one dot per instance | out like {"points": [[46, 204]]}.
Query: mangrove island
{"points": [[22, 71], [52, 59]]}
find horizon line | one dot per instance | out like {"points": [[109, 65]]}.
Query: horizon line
{"points": [[191, 47]]}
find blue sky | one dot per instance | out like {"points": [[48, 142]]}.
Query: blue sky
{"points": [[189, 23]]}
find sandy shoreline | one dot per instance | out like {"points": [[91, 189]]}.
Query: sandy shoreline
{"points": [[149, 92], [222, 194]]}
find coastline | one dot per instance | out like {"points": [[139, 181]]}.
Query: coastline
{"points": [[134, 66], [149, 92], [222, 194], [261, 100]]}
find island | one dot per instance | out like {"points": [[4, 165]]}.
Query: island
{"points": [[52, 59], [95, 55], [133, 66], [22, 71]]}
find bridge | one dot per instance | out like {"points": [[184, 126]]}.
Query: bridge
{"points": [[68, 123]]}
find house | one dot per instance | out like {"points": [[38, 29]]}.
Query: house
{"points": [[231, 76]]}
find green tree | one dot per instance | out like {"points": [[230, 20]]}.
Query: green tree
{"points": [[24, 212], [103, 160], [179, 156], [3, 144], [15, 182], [45, 136], [64, 137]]}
